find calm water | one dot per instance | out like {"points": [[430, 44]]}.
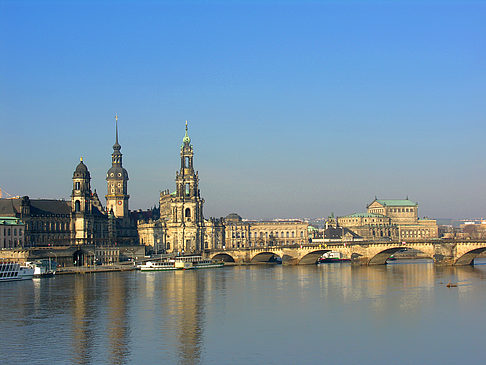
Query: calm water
{"points": [[335, 314]]}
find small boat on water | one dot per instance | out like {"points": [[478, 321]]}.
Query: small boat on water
{"points": [[13, 271], [331, 257]]}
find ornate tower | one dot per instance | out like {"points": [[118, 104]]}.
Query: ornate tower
{"points": [[186, 219], [81, 226], [117, 181]]}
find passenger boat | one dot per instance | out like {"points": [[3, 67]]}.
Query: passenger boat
{"points": [[330, 257], [158, 266], [196, 262], [13, 271]]}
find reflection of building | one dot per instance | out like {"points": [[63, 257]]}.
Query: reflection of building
{"points": [[181, 227], [11, 232], [390, 219]]}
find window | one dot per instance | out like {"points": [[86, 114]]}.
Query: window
{"points": [[77, 206], [77, 185], [187, 213], [188, 189], [186, 162], [287, 234]]}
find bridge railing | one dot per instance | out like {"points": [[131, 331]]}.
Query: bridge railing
{"points": [[329, 245]]}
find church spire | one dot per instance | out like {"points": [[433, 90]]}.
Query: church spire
{"points": [[116, 146], [186, 138]]}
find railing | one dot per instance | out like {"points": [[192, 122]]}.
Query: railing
{"points": [[435, 241]]}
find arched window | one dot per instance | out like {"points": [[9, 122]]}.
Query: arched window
{"points": [[77, 185], [188, 189], [77, 206], [187, 213], [186, 162]]}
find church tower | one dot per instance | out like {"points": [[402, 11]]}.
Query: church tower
{"points": [[117, 181], [81, 205], [187, 221]]}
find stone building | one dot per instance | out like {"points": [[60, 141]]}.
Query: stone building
{"points": [[182, 211], [83, 220], [11, 232], [89, 222], [47, 221], [123, 229], [394, 219], [239, 233], [181, 227]]}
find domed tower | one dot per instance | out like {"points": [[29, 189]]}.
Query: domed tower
{"points": [[187, 205], [81, 225], [81, 194], [117, 182]]}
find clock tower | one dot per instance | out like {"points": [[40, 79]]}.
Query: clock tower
{"points": [[117, 181]]}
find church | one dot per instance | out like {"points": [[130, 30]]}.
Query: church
{"points": [[180, 226], [82, 220]]}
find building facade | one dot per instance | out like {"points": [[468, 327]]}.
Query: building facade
{"points": [[393, 219], [12, 232], [83, 220], [181, 227]]}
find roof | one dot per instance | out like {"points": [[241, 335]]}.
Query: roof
{"points": [[364, 215], [10, 207], [338, 232], [48, 206], [233, 217], [13, 207], [396, 202]]}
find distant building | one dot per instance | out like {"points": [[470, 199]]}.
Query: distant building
{"points": [[11, 232], [394, 219]]}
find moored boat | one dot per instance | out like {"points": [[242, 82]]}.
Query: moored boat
{"points": [[43, 268], [158, 266], [196, 262], [13, 271], [330, 257]]}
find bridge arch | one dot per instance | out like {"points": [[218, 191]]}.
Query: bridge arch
{"points": [[381, 257], [223, 257], [468, 257], [311, 257], [266, 256]]}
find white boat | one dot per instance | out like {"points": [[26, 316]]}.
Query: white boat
{"points": [[43, 268], [158, 266], [196, 262], [13, 271]]}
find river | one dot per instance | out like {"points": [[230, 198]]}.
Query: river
{"points": [[401, 313]]}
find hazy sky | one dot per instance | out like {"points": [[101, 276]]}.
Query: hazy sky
{"points": [[295, 109]]}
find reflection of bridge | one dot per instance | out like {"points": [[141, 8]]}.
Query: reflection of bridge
{"points": [[443, 252]]}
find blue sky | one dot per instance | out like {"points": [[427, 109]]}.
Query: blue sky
{"points": [[295, 109]]}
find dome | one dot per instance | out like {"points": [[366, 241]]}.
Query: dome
{"points": [[81, 170], [233, 217], [117, 173]]}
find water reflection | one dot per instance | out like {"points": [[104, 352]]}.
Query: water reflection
{"points": [[238, 313]]}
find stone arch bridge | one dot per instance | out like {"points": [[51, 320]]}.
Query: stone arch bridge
{"points": [[443, 252]]}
